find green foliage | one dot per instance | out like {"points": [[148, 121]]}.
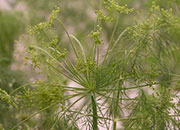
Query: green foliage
{"points": [[152, 113], [142, 58], [11, 26], [42, 95], [9, 81]]}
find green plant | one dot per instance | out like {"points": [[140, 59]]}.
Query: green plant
{"points": [[8, 33], [11, 26], [142, 58]]}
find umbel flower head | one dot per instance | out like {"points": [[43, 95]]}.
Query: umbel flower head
{"points": [[139, 58]]}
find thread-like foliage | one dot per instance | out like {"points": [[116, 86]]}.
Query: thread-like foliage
{"points": [[142, 59]]}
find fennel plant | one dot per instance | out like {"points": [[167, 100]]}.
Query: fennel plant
{"points": [[143, 58]]}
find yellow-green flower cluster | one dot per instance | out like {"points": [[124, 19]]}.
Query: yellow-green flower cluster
{"points": [[90, 63], [154, 7], [54, 42], [34, 58], [59, 54], [6, 97], [159, 19], [55, 50], [53, 16], [95, 35], [43, 95], [140, 31], [103, 17], [44, 25], [84, 67], [38, 31], [112, 4]]}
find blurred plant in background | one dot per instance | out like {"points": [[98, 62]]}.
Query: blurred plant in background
{"points": [[11, 25]]}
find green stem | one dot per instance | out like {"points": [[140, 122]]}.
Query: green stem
{"points": [[116, 107], [68, 35], [95, 118], [114, 30], [114, 45]]}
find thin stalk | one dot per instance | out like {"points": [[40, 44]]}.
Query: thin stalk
{"points": [[79, 43], [41, 49], [94, 51], [140, 86], [66, 110], [75, 69], [84, 55], [103, 115], [106, 118], [72, 69], [72, 45], [97, 55], [115, 98], [114, 45], [116, 42], [116, 106], [70, 106], [76, 81], [95, 117], [114, 30]]}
